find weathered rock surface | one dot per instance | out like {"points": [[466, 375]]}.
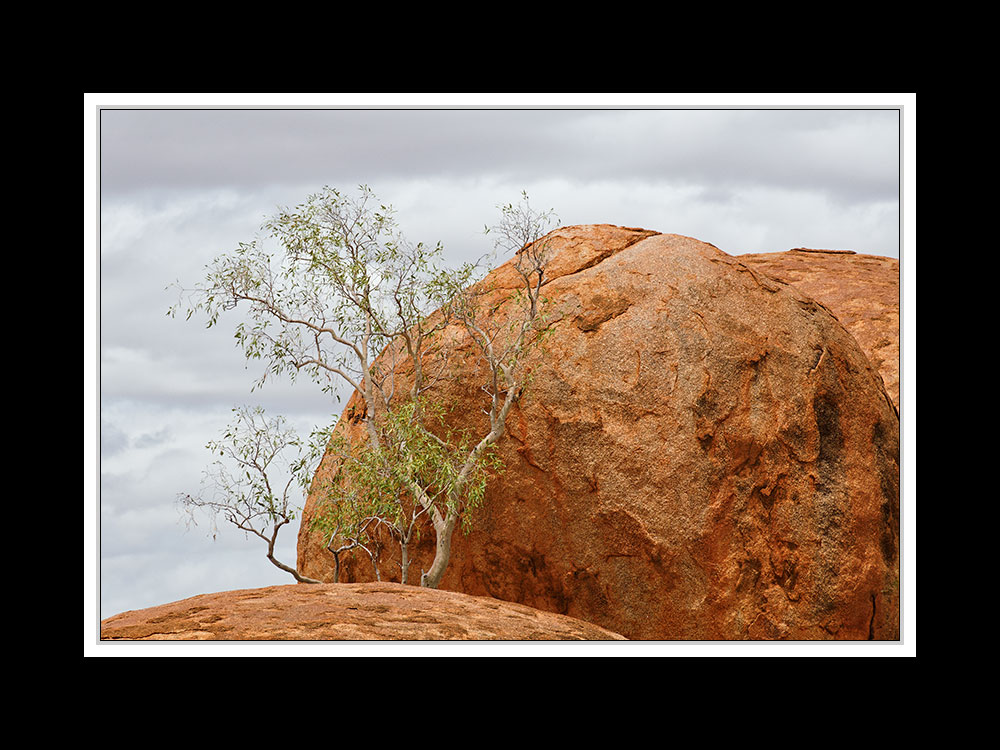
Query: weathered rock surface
{"points": [[862, 291], [345, 612], [704, 452]]}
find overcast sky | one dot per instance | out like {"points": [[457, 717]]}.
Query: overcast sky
{"points": [[177, 187]]}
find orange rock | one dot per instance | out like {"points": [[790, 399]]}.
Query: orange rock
{"points": [[703, 452], [861, 290], [345, 612]]}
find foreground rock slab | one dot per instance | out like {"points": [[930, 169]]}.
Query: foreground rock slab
{"points": [[346, 612]]}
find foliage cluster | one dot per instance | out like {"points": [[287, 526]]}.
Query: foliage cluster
{"points": [[348, 301]]}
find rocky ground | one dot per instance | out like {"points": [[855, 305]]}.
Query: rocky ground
{"points": [[346, 612]]}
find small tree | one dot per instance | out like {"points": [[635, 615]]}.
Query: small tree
{"points": [[251, 486], [349, 302], [419, 469]]}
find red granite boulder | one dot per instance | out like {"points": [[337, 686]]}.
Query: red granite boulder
{"points": [[704, 453], [861, 290]]}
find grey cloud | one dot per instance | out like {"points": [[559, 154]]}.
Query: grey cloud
{"points": [[113, 440], [149, 440], [853, 153], [206, 148], [850, 154]]}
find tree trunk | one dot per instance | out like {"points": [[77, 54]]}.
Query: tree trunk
{"points": [[432, 578], [405, 562], [294, 573]]}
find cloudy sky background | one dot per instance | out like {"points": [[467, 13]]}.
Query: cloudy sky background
{"points": [[177, 187]]}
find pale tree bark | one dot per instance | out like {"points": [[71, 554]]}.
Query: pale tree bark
{"points": [[503, 367], [294, 573], [444, 529], [270, 551], [444, 524]]}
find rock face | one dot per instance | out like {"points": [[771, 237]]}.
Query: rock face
{"points": [[345, 612], [861, 290], [704, 452]]}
